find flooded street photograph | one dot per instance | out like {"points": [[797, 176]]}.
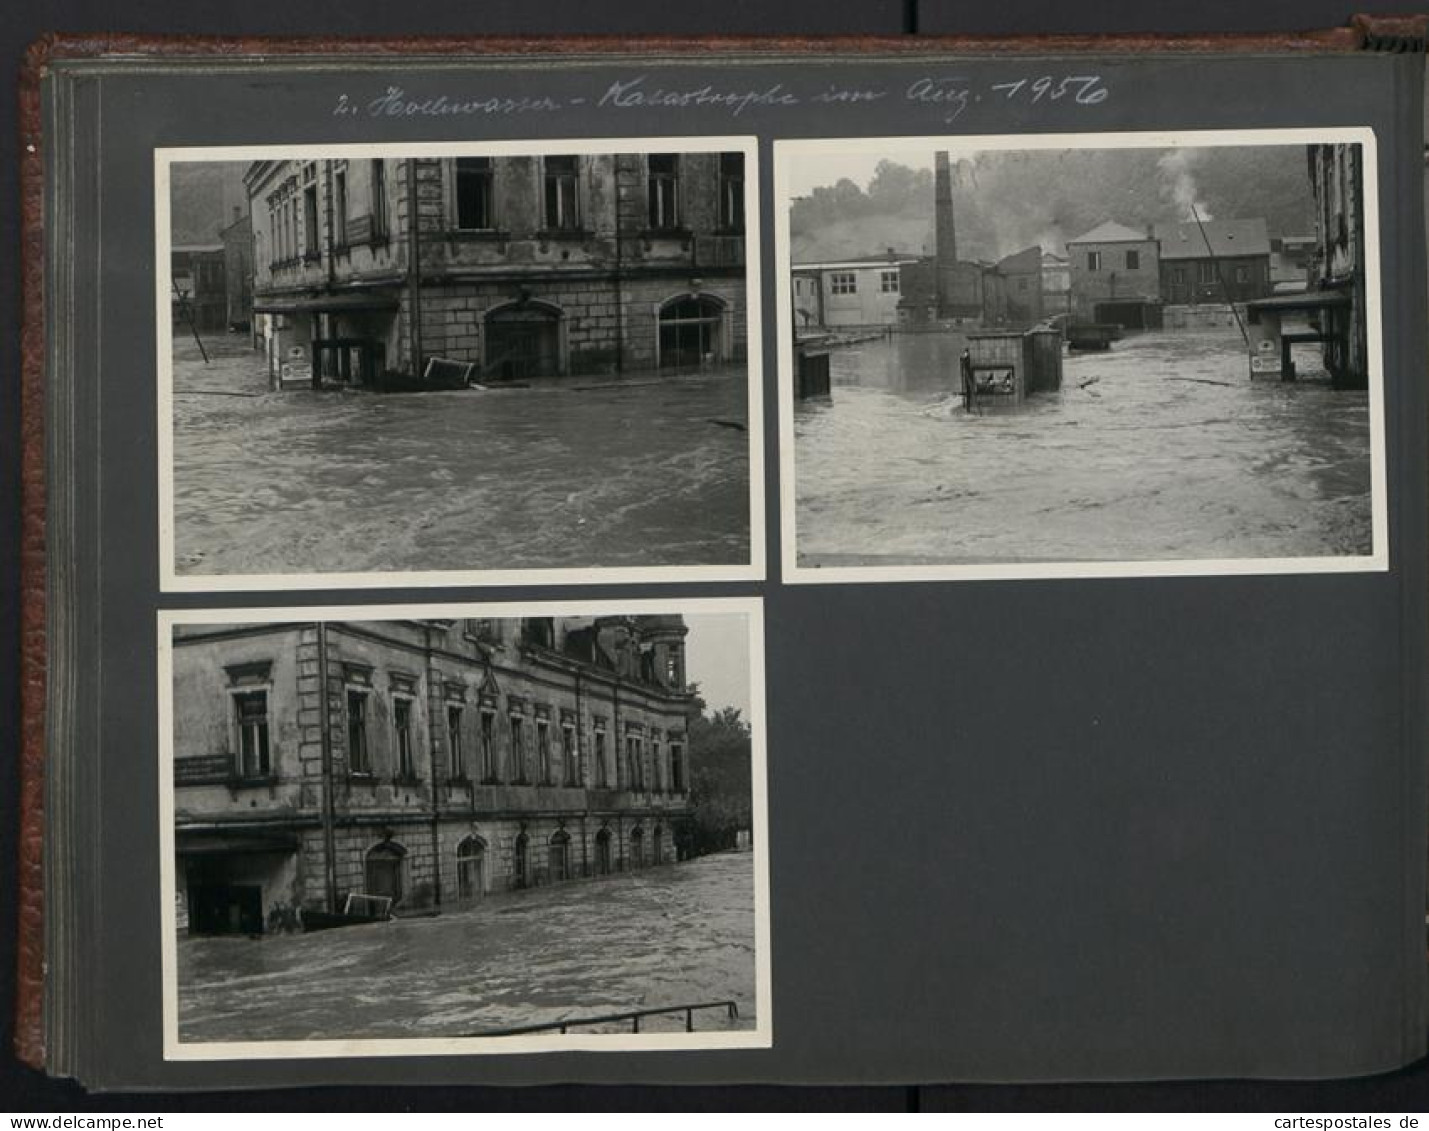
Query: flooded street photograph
{"points": [[1160, 448], [1009, 357], [547, 827], [671, 937], [572, 473], [461, 365]]}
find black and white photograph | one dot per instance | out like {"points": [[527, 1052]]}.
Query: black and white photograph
{"points": [[540, 370], [1075, 355], [476, 829]]}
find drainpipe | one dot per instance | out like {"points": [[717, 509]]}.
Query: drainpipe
{"points": [[326, 320], [619, 287], [329, 836], [414, 270], [432, 725]]}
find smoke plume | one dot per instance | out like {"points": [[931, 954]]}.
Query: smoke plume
{"points": [[1176, 168]]}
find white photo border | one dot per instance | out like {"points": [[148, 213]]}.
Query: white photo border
{"points": [[788, 151], [759, 1037], [171, 581]]}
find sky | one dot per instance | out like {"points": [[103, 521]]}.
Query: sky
{"points": [[717, 658]]}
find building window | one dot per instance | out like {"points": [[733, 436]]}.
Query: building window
{"points": [[359, 760], [543, 751], [1242, 274], [518, 749], [731, 192], [458, 757], [635, 758], [570, 757], [663, 188], [251, 713], [691, 332], [562, 193], [601, 772], [637, 848], [339, 207], [520, 862], [471, 868], [402, 724], [658, 774], [1178, 276], [888, 282], [843, 283], [310, 222], [1206, 272], [559, 857], [473, 193], [1022, 285], [488, 746], [1094, 261], [677, 768], [1133, 260], [384, 871], [602, 853], [379, 198]]}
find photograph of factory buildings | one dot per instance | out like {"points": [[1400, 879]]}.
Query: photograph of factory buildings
{"points": [[404, 795], [1008, 358], [573, 325]]}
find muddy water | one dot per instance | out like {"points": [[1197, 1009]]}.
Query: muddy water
{"points": [[673, 935], [638, 472], [1162, 448]]}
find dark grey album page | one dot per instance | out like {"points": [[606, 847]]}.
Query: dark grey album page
{"points": [[827, 568]]}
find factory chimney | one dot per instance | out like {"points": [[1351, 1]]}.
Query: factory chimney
{"points": [[945, 233]]}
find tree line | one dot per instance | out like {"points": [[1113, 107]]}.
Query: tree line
{"points": [[1008, 200]]}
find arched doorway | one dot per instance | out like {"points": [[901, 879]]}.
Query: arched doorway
{"points": [[384, 870], [559, 857], [602, 853], [522, 340], [637, 848], [471, 868], [691, 332], [521, 862]]}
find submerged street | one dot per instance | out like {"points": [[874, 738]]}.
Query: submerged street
{"points": [[1162, 448], [674, 935], [643, 470]]}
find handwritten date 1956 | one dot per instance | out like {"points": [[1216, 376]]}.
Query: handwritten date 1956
{"points": [[956, 95]]}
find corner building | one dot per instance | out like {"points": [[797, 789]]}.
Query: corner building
{"points": [[430, 762], [517, 266]]}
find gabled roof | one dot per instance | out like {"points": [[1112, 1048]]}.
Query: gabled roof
{"points": [[855, 261], [1111, 232], [1028, 259], [1226, 237]]}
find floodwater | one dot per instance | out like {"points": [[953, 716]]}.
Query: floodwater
{"points": [[1162, 448], [676, 935], [641, 471]]}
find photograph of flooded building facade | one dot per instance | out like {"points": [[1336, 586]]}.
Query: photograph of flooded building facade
{"points": [[1011, 358], [574, 328], [516, 784]]}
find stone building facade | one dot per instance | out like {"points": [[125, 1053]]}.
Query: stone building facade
{"points": [[427, 762], [237, 240], [849, 293], [1337, 264], [526, 266], [1115, 274], [1214, 262]]}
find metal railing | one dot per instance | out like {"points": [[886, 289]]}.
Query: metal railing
{"points": [[634, 1016]]}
